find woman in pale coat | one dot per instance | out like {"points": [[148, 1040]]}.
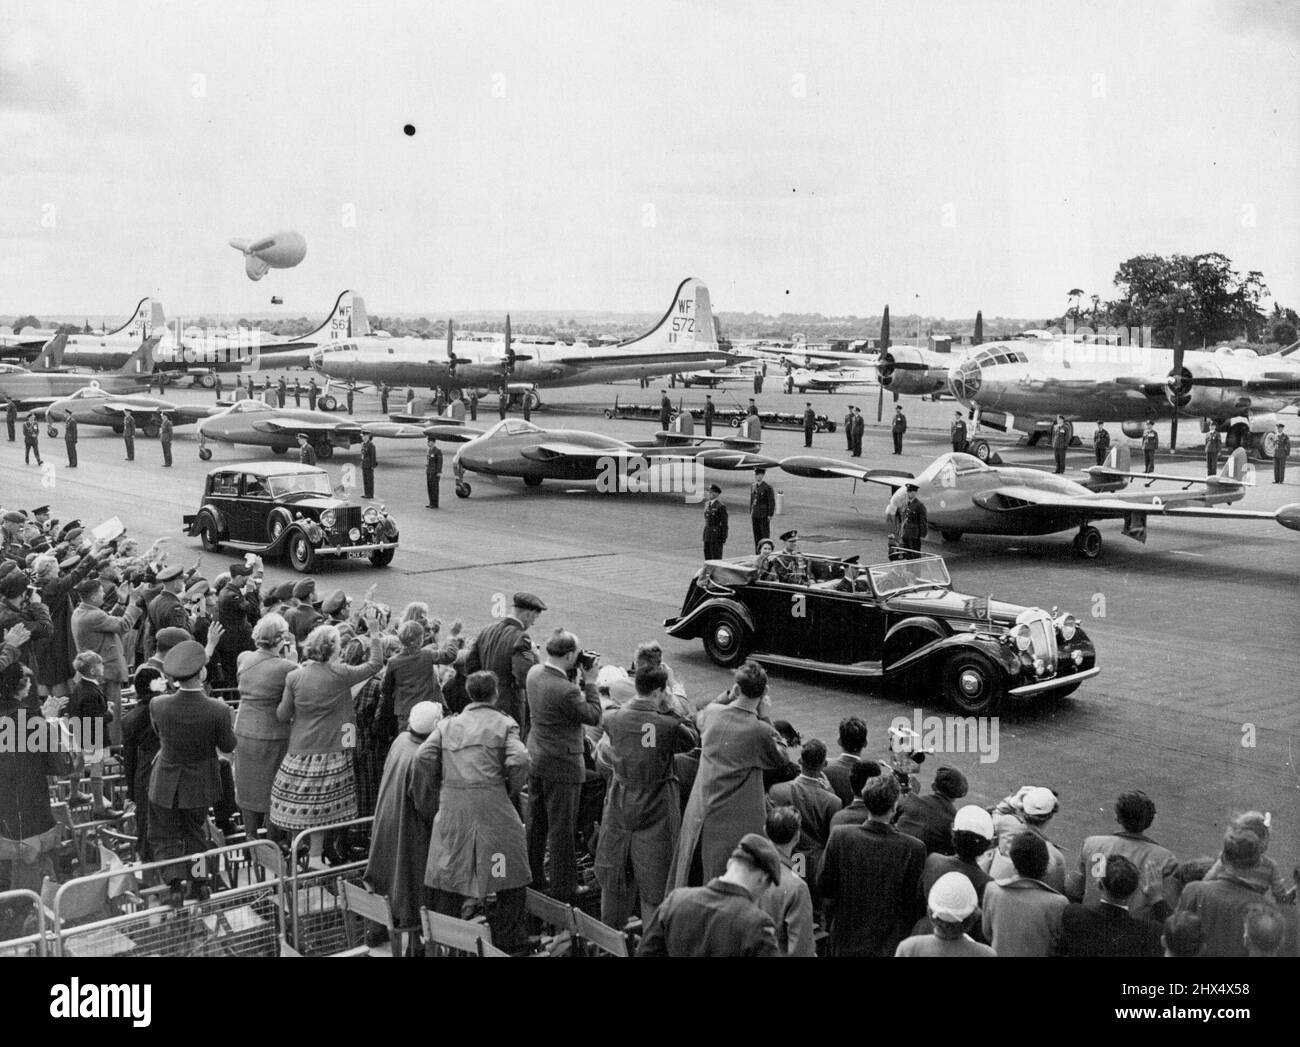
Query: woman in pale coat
{"points": [[315, 785], [263, 739]]}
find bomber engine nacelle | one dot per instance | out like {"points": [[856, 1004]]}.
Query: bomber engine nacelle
{"points": [[281, 250], [903, 369]]}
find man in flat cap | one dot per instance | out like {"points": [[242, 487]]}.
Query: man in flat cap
{"points": [[303, 616], [715, 523], [790, 564], [186, 778], [722, 918], [505, 648]]}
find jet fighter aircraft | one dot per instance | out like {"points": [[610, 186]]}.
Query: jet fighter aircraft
{"points": [[963, 495], [95, 406], [257, 423], [37, 389], [515, 448]]}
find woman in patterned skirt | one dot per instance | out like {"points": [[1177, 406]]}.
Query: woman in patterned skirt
{"points": [[315, 785]]}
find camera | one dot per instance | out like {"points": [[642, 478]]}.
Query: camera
{"points": [[587, 660]]}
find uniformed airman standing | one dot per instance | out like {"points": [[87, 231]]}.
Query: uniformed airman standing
{"points": [[913, 523], [958, 433], [352, 389], [11, 417], [848, 430], [70, 438], [368, 461], [809, 423], [1150, 442], [282, 390], [306, 453], [410, 400], [710, 409], [217, 385], [297, 393], [433, 472], [1101, 442], [898, 427], [128, 435], [473, 405], [31, 440], [1060, 443], [762, 504], [165, 438], [502, 402], [313, 391], [715, 524], [665, 409], [383, 397], [1280, 453], [1213, 445], [859, 428]]}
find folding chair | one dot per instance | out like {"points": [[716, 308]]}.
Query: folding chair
{"points": [[447, 934], [486, 949], [375, 908], [600, 936], [83, 832], [555, 915]]}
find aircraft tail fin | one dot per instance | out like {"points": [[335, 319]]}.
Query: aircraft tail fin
{"points": [[688, 323], [338, 326], [1119, 458], [141, 361], [139, 322], [50, 357], [360, 322]]}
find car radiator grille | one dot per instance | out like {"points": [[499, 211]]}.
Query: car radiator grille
{"points": [[1042, 635]]}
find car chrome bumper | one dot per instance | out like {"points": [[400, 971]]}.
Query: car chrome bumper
{"points": [[336, 550], [1054, 682]]}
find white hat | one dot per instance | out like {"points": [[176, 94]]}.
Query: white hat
{"points": [[973, 819], [1038, 801], [952, 897], [424, 717]]}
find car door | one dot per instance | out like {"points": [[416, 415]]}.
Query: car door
{"points": [[844, 627], [781, 620], [254, 506], [223, 495]]}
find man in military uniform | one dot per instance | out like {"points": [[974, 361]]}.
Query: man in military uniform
{"points": [[165, 610], [1280, 453], [352, 389], [282, 391], [1101, 442], [297, 393], [502, 402], [70, 438], [313, 391], [11, 417], [505, 649], [790, 565], [897, 428], [709, 411], [809, 423], [859, 428], [528, 407], [958, 433], [217, 385], [165, 437], [1150, 442], [31, 440], [433, 472], [410, 400], [1213, 445], [383, 398], [1060, 443], [369, 459], [762, 504], [665, 409], [912, 523], [128, 435], [473, 405], [848, 430], [715, 524], [306, 453]]}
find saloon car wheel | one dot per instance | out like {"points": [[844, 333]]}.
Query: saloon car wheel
{"points": [[209, 537], [302, 557], [278, 450], [726, 638], [205, 454], [972, 683], [382, 557], [980, 449], [1087, 543], [276, 524], [532, 481]]}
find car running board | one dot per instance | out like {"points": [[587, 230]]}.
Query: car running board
{"points": [[864, 670]]}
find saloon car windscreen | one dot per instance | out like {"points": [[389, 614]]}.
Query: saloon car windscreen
{"points": [[300, 483], [908, 574]]}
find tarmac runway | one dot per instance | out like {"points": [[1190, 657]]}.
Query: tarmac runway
{"points": [[1196, 630]]}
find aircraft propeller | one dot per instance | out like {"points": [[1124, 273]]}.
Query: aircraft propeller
{"points": [[1178, 386], [884, 366]]}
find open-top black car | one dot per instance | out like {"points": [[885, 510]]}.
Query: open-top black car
{"points": [[275, 508], [899, 621]]}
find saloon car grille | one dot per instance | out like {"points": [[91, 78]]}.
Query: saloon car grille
{"points": [[347, 518], [1042, 641]]}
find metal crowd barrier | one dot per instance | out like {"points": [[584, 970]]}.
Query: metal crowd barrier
{"points": [[316, 913], [22, 912], [110, 913]]}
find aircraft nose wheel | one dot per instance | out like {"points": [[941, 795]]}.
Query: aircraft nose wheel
{"points": [[205, 454], [1087, 543], [463, 489]]}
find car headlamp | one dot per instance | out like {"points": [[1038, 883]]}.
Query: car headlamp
{"points": [[354, 535], [1022, 638], [371, 515], [1067, 625], [328, 518]]}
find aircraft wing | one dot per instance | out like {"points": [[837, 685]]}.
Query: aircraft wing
{"points": [[187, 414], [393, 430], [832, 468], [453, 432], [711, 457], [1012, 497], [1118, 474], [34, 403], [270, 425]]}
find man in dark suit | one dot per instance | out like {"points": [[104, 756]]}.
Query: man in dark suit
{"points": [[1105, 928], [853, 739], [762, 504], [958, 433], [715, 524], [562, 699], [186, 778], [929, 818], [505, 648], [816, 804], [237, 614], [368, 461]]}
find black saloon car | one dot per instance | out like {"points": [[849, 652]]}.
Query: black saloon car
{"points": [[900, 622], [282, 507]]}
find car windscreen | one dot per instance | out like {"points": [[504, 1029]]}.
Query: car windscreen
{"points": [[909, 574], [300, 483]]}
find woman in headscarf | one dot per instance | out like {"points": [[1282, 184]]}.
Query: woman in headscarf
{"points": [[263, 739]]}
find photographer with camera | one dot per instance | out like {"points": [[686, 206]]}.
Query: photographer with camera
{"points": [[562, 699]]}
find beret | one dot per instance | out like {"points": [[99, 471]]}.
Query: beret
{"points": [[304, 588], [239, 570], [283, 591], [334, 602], [14, 516], [170, 637], [763, 853]]}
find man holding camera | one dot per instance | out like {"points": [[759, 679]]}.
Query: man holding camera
{"points": [[562, 699]]}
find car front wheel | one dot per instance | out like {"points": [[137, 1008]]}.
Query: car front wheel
{"points": [[972, 683], [208, 536], [726, 638], [302, 557], [382, 557]]}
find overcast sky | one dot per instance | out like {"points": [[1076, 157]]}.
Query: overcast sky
{"points": [[826, 157]]}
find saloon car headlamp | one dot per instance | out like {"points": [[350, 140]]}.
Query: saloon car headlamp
{"points": [[371, 515], [1022, 638], [354, 535], [1040, 666], [1068, 625], [328, 518]]}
